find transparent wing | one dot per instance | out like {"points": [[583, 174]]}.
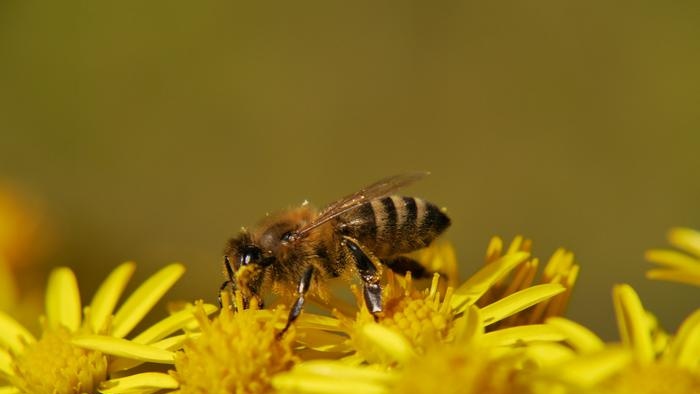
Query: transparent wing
{"points": [[378, 189]]}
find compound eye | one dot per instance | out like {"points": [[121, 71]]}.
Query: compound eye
{"points": [[251, 254], [286, 237]]}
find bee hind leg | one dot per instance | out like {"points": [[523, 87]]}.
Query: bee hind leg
{"points": [[372, 289], [402, 264], [303, 287]]}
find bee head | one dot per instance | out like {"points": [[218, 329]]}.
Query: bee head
{"points": [[248, 262]]}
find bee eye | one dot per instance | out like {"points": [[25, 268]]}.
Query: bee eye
{"points": [[286, 237], [251, 254]]}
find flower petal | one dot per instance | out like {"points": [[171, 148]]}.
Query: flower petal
{"points": [[579, 337], [171, 343], [389, 344], [632, 322], [343, 371], [14, 335], [686, 277], [685, 347], [522, 334], [590, 369], [519, 301], [63, 306], [9, 390], [5, 364], [139, 382], [169, 325], [311, 320], [470, 327], [673, 259], [686, 239], [106, 297], [324, 382], [479, 283], [142, 299], [124, 348]]}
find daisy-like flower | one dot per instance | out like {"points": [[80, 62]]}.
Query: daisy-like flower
{"points": [[678, 266], [237, 352], [71, 354], [419, 327], [642, 363], [427, 317]]}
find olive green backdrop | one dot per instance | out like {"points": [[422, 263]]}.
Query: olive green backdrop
{"points": [[154, 130]]}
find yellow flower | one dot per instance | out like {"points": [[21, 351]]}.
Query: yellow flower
{"points": [[683, 267], [237, 352], [418, 328], [645, 362], [71, 354]]}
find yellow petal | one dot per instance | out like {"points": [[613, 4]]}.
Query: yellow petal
{"points": [[685, 347], [686, 239], [632, 322], [169, 325], [470, 327], [579, 337], [590, 369], [673, 259], [9, 390], [342, 371], [139, 382], [14, 335], [389, 344], [63, 306], [479, 283], [310, 320], [124, 348], [548, 353], [5, 364], [171, 343], [690, 278], [311, 384], [519, 301], [106, 297], [522, 334], [324, 341], [142, 299]]}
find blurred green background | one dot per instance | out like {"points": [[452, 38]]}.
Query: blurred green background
{"points": [[153, 131]]}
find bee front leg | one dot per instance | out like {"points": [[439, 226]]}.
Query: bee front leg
{"points": [[372, 290], [229, 281], [303, 287]]}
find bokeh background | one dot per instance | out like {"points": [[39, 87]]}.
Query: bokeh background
{"points": [[152, 131]]}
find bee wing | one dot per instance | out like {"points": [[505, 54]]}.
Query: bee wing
{"points": [[378, 189]]}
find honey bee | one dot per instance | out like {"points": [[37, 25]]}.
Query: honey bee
{"points": [[299, 250]]}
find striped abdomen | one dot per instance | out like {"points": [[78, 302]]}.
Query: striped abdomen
{"points": [[393, 225]]}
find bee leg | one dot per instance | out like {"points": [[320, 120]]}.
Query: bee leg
{"points": [[229, 281], [403, 264], [303, 287], [369, 274]]}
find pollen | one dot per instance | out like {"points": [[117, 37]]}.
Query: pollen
{"points": [[422, 317], [237, 352], [54, 365]]}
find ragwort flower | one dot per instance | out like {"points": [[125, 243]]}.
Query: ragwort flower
{"points": [[71, 354]]}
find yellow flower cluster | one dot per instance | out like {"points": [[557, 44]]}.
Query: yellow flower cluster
{"points": [[500, 331]]}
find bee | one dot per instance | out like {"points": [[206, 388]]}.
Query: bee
{"points": [[301, 249]]}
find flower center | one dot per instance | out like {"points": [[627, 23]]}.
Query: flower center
{"points": [[54, 365], [236, 353], [418, 319]]}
